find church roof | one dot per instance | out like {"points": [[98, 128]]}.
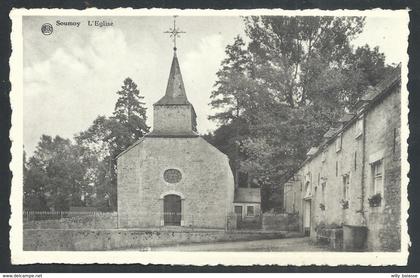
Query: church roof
{"points": [[166, 134], [175, 90], [130, 147]]}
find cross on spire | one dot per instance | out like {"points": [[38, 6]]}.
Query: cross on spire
{"points": [[174, 32]]}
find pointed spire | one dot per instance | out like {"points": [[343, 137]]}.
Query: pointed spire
{"points": [[175, 90]]}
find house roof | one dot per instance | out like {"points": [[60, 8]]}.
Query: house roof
{"points": [[371, 93], [312, 151], [346, 117], [175, 90], [371, 98], [247, 195], [330, 133]]}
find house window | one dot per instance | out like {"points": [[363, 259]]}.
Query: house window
{"points": [[250, 211], [359, 128], [323, 156], [346, 187], [324, 184], [338, 142], [336, 168], [377, 177], [355, 161]]}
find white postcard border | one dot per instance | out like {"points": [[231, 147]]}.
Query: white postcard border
{"points": [[188, 258]]}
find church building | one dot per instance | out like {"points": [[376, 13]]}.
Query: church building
{"points": [[172, 176]]}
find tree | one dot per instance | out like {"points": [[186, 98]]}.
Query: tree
{"points": [[295, 78], [226, 139], [231, 100], [231, 97], [109, 136], [130, 111], [61, 174], [54, 176]]}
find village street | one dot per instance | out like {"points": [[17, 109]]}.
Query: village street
{"points": [[267, 245]]}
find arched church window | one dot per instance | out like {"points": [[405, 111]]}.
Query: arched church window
{"points": [[172, 176]]}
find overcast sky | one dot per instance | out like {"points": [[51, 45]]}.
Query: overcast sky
{"points": [[71, 76]]}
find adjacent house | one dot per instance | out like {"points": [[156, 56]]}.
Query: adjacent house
{"points": [[352, 180], [247, 202]]}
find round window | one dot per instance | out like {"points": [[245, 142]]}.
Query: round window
{"points": [[172, 176]]}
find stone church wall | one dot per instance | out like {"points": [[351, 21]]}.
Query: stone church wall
{"points": [[172, 118], [206, 187]]}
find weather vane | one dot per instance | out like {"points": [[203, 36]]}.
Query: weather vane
{"points": [[174, 32]]}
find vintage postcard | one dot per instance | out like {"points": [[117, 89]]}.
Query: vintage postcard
{"points": [[204, 137]]}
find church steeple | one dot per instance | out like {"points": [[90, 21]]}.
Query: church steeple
{"points": [[175, 90], [173, 114]]}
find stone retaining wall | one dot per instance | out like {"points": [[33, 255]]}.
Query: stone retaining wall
{"points": [[114, 239], [280, 222], [95, 221], [331, 237]]}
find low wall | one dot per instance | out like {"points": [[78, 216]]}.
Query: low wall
{"points": [[232, 221], [96, 221], [331, 237], [280, 222], [114, 239]]}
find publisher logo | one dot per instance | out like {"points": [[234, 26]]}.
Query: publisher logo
{"points": [[46, 29]]}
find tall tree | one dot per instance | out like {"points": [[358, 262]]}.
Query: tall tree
{"points": [[109, 136], [54, 176], [61, 174], [129, 109], [299, 76], [230, 100], [229, 97]]}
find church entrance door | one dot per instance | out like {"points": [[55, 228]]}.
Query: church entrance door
{"points": [[172, 210]]}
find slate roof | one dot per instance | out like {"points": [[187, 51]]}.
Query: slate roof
{"points": [[312, 151], [175, 90], [247, 195], [346, 117], [370, 98], [331, 132], [374, 92]]}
